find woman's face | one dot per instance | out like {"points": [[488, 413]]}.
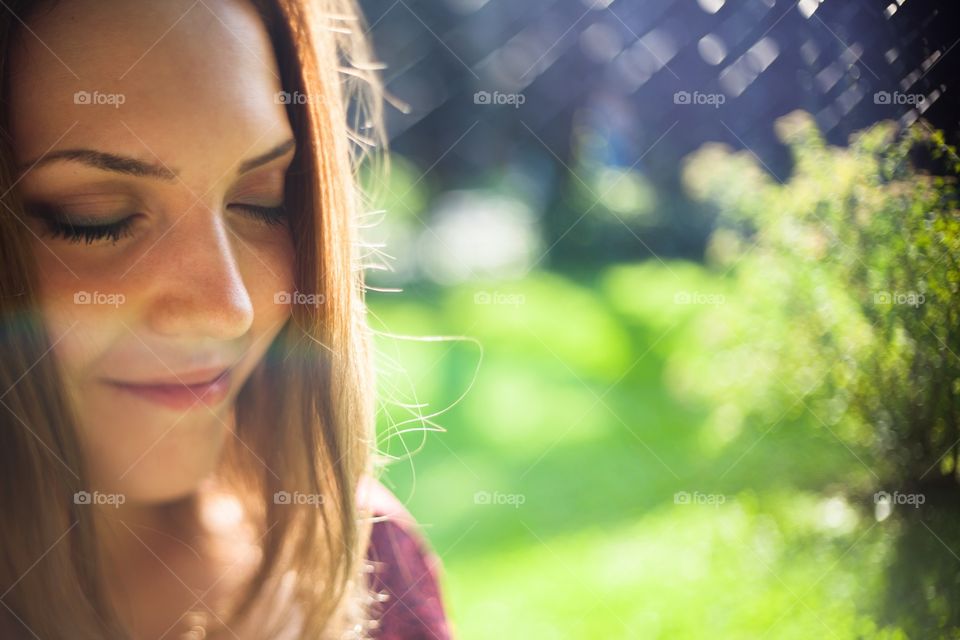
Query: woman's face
{"points": [[154, 150]]}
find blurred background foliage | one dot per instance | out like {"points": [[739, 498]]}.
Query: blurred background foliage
{"points": [[845, 313], [664, 370]]}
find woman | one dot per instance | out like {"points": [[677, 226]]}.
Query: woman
{"points": [[188, 408]]}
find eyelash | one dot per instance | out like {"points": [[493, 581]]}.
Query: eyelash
{"points": [[114, 231]]}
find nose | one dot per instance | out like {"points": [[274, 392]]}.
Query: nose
{"points": [[195, 277]]}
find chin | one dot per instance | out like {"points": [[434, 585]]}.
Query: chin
{"points": [[158, 493], [155, 480], [155, 463]]}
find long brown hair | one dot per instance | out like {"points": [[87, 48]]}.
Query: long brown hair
{"points": [[305, 418]]}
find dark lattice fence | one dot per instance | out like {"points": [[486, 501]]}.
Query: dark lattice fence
{"points": [[646, 82]]}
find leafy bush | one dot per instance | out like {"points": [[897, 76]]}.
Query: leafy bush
{"points": [[849, 274]]}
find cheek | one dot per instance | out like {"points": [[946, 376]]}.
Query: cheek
{"points": [[267, 272], [83, 316]]}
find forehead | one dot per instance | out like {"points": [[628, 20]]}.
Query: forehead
{"points": [[177, 78]]}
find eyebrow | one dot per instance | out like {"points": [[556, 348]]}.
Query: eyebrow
{"points": [[128, 165]]}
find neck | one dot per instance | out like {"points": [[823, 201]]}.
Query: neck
{"points": [[160, 558], [136, 530]]}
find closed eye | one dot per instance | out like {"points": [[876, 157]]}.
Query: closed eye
{"points": [[76, 230], [81, 228], [268, 215], [89, 234]]}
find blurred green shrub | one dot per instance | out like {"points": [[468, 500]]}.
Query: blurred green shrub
{"points": [[844, 309]]}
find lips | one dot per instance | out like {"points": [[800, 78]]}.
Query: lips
{"points": [[189, 390]]}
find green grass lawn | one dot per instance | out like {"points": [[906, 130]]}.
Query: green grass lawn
{"points": [[551, 493]]}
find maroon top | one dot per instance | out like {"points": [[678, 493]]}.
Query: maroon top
{"points": [[406, 571]]}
